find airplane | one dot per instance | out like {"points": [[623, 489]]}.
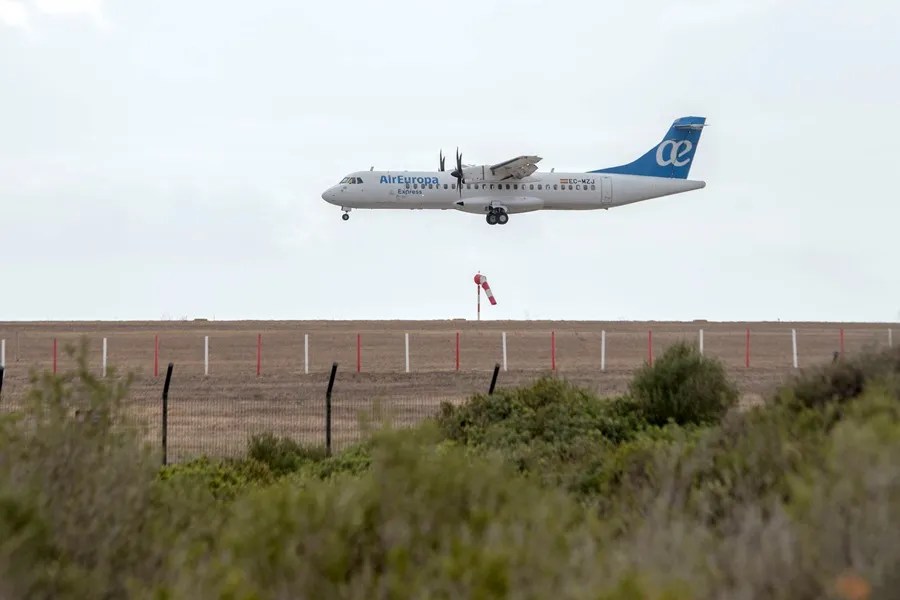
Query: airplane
{"points": [[515, 186]]}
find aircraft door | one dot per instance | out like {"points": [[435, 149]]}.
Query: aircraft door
{"points": [[606, 190]]}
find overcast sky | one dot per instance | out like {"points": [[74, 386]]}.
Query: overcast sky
{"points": [[167, 158]]}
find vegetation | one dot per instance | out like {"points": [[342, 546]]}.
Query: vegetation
{"points": [[669, 492]]}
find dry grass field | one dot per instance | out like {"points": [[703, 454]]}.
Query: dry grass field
{"points": [[215, 414]]}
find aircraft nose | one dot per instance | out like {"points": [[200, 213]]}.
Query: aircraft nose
{"points": [[328, 195]]}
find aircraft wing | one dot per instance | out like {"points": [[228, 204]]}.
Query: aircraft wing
{"points": [[515, 168]]}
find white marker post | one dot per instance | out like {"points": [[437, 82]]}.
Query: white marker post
{"points": [[701, 342], [306, 353], [206, 356], [603, 350], [504, 350], [406, 337], [104, 357], [794, 339]]}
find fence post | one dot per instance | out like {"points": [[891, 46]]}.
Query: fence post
{"points": [[328, 409], [165, 415], [503, 338], [603, 350], [552, 350], [406, 340], [701, 342], [794, 343], [206, 356], [747, 350], [306, 353], [104, 357], [494, 378]]}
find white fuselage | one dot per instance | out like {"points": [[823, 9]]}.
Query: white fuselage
{"points": [[418, 190]]}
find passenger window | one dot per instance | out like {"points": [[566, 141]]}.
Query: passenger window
{"points": [[539, 186], [593, 187], [492, 186], [415, 186], [515, 186], [570, 186], [577, 187], [554, 186], [445, 186], [531, 186], [430, 186], [407, 186]]}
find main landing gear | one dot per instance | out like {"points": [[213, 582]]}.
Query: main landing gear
{"points": [[497, 216]]}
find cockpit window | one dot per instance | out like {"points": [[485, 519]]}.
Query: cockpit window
{"points": [[359, 180], [352, 180], [345, 180]]}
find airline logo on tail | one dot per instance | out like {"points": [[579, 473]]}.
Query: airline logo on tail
{"points": [[677, 150]]}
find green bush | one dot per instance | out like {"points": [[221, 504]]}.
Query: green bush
{"points": [[281, 454], [835, 383], [684, 387]]}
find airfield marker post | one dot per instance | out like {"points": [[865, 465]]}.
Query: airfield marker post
{"points": [[104, 357], [650, 347], [358, 353], [457, 351], [406, 342], [156, 356], [794, 343], [890, 338], [206, 356], [747, 349], [701, 342], [603, 350], [258, 354], [503, 340], [54, 356], [306, 353], [3, 353], [552, 350]]}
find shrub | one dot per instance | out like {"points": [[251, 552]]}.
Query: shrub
{"points": [[835, 383], [281, 454], [684, 387]]}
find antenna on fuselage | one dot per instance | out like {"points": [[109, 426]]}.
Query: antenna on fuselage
{"points": [[372, 168], [553, 169]]}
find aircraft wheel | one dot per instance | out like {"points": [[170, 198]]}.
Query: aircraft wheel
{"points": [[503, 218], [491, 218], [345, 217]]}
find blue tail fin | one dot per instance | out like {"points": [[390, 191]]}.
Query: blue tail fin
{"points": [[672, 157]]}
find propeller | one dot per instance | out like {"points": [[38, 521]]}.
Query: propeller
{"points": [[458, 173], [442, 160]]}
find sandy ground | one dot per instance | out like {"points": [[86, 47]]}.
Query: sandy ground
{"points": [[215, 415]]}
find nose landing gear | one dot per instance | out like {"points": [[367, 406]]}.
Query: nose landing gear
{"points": [[346, 215], [497, 216]]}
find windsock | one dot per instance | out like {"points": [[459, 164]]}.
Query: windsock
{"points": [[482, 281]]}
